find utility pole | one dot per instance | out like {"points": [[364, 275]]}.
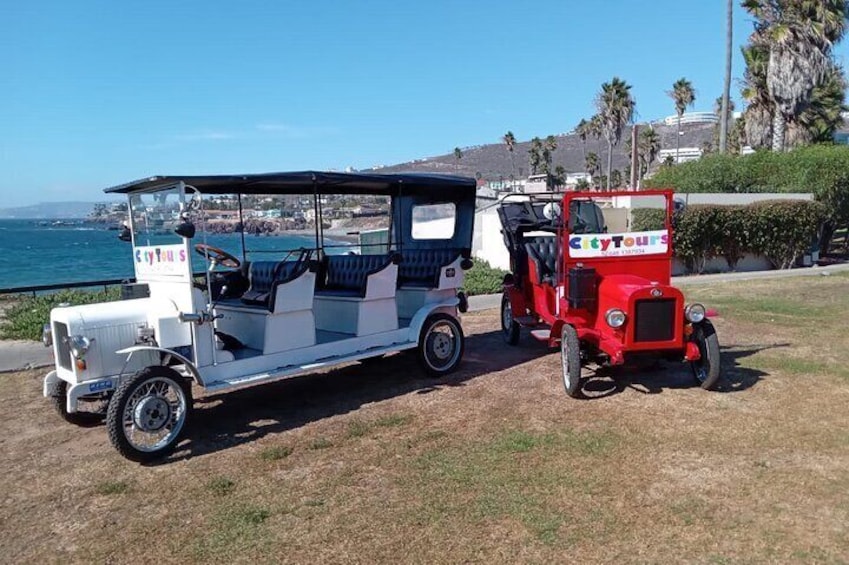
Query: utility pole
{"points": [[635, 165], [726, 92]]}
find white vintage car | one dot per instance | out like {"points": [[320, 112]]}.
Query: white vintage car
{"points": [[260, 320]]}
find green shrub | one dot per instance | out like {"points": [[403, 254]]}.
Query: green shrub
{"points": [[647, 219], [783, 230], [780, 230], [483, 279], [25, 318], [813, 169]]}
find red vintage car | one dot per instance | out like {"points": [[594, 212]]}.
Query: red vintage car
{"points": [[591, 273]]}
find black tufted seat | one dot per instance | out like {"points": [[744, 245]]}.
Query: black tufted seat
{"points": [[421, 267], [543, 252], [265, 276], [347, 275]]}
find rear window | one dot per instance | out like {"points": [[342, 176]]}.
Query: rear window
{"points": [[434, 221]]}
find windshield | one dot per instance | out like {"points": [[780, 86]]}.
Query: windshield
{"points": [[155, 215]]}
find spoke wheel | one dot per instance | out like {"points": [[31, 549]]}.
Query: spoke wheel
{"points": [[148, 413], [441, 344], [706, 369], [509, 326], [570, 361], [96, 407]]}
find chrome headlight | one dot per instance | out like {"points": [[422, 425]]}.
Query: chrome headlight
{"points": [[615, 318], [47, 335], [79, 345], [694, 313]]}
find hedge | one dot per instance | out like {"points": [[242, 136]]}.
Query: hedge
{"points": [[483, 279], [780, 230], [822, 170]]}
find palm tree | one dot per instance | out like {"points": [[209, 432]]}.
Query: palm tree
{"points": [[510, 141], [583, 131], [648, 147], [535, 155], [818, 122], [458, 154], [683, 95], [591, 163], [616, 109], [559, 176], [800, 36], [595, 130], [759, 109], [726, 90], [548, 148]]}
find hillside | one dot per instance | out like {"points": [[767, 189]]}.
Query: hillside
{"points": [[492, 160], [49, 211]]}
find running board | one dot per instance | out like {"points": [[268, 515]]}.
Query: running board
{"points": [[526, 321], [541, 335], [295, 370]]}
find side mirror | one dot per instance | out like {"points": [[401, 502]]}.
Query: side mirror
{"points": [[185, 229], [125, 234]]}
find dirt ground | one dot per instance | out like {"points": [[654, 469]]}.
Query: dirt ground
{"points": [[374, 464]]}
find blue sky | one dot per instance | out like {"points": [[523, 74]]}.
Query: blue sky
{"points": [[96, 93]]}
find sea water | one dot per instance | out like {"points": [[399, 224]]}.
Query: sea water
{"points": [[42, 252]]}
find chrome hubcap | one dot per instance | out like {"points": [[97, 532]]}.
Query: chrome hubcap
{"points": [[442, 346], [151, 414]]}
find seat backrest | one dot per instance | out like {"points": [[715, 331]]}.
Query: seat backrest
{"points": [[349, 272], [261, 276], [421, 267], [543, 250]]}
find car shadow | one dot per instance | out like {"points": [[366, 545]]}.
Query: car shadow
{"points": [[224, 420], [734, 377]]}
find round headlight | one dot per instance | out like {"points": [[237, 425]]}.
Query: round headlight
{"points": [[79, 345], [47, 335], [694, 313], [615, 318]]}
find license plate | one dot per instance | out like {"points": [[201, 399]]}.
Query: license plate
{"points": [[101, 385]]}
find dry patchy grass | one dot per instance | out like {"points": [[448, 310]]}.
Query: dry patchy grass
{"points": [[494, 464]]}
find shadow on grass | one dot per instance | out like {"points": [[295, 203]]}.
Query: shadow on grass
{"points": [[735, 376], [225, 420]]}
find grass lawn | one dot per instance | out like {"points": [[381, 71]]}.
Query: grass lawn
{"points": [[369, 464]]}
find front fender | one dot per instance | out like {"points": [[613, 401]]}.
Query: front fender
{"points": [[446, 306], [50, 382], [190, 367]]}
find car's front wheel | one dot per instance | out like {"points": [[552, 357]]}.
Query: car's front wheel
{"points": [[706, 369], [570, 360], [148, 414]]}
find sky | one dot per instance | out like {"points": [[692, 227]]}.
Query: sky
{"points": [[97, 93]]}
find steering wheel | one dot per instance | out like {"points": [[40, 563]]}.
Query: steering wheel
{"points": [[217, 256]]}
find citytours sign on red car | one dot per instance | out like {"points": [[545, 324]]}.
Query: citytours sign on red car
{"points": [[618, 244]]}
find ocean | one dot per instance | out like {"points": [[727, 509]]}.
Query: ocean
{"points": [[40, 252]]}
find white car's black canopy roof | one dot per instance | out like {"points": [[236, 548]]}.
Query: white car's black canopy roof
{"points": [[313, 182]]}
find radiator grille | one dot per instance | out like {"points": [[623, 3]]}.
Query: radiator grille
{"points": [[63, 350], [655, 320]]}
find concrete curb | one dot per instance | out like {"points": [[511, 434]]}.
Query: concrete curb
{"points": [[20, 355]]}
